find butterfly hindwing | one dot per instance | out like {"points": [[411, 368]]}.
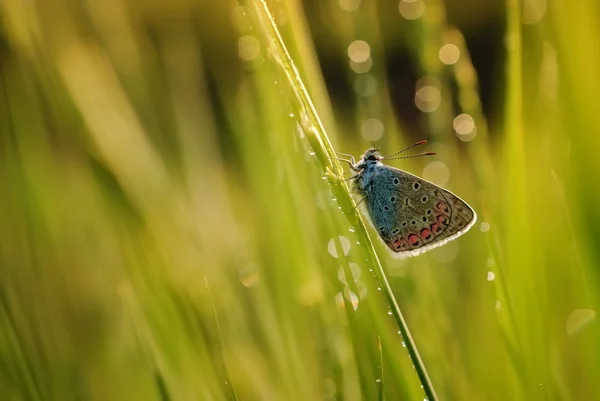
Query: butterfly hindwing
{"points": [[413, 215]]}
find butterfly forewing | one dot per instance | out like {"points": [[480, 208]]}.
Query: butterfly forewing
{"points": [[413, 215]]}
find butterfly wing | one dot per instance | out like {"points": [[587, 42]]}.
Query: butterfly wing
{"points": [[413, 215]]}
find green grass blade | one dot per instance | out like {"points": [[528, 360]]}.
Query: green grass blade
{"points": [[325, 153]]}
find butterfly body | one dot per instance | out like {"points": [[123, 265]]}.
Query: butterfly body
{"points": [[410, 214]]}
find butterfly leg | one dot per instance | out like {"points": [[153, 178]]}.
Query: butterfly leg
{"points": [[350, 157], [350, 163], [359, 202]]}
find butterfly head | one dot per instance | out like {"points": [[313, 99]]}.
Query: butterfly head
{"points": [[371, 157]]}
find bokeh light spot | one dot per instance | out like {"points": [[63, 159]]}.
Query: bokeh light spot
{"points": [[533, 11], [549, 74], [372, 129], [365, 85], [362, 289], [437, 172], [248, 48], [249, 275], [329, 388], [411, 9], [352, 297], [427, 94], [579, 319], [332, 246], [449, 54], [349, 5], [359, 51], [361, 68], [354, 269], [464, 125]]}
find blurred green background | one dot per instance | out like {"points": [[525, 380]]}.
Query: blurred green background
{"points": [[172, 228]]}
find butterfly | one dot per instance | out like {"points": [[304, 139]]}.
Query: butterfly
{"points": [[411, 215]]}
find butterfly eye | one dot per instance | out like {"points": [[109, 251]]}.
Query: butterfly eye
{"points": [[372, 157]]}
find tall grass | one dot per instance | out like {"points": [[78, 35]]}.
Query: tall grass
{"points": [[173, 225]]}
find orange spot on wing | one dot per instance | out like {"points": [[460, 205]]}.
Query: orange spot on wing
{"points": [[426, 234], [442, 207], [442, 220], [413, 239], [436, 228]]}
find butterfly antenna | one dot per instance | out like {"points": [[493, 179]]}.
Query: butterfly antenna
{"points": [[409, 147], [410, 156]]}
